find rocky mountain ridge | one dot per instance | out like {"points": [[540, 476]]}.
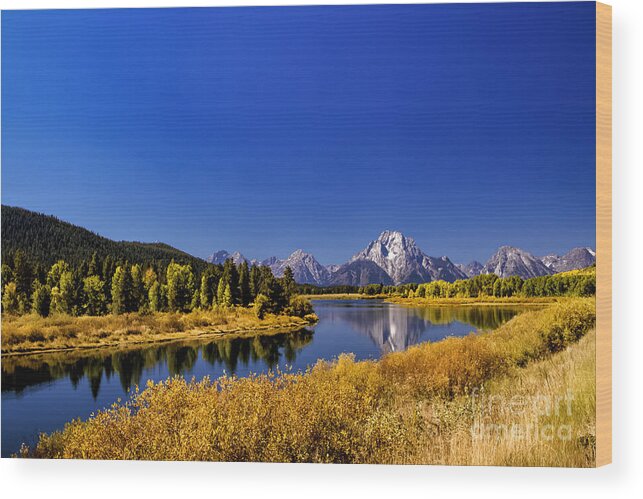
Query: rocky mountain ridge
{"points": [[394, 258]]}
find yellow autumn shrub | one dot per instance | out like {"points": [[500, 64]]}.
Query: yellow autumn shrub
{"points": [[408, 407]]}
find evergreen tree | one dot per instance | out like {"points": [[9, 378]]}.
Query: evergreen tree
{"points": [[22, 274], [139, 297], [121, 291], [155, 297], [245, 296], [207, 291], [273, 290], [41, 299], [109, 268], [227, 296], [289, 284], [255, 281], [231, 278], [221, 291], [95, 266], [196, 300]]}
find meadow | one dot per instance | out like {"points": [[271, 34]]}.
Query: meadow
{"points": [[31, 333], [523, 394]]}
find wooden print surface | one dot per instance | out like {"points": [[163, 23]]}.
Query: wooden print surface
{"points": [[603, 234], [371, 234]]}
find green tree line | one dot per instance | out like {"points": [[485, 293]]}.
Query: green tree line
{"points": [[100, 286], [490, 285]]}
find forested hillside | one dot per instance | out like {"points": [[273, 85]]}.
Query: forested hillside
{"points": [[45, 239]]}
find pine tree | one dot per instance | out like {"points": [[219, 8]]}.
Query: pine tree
{"points": [[273, 290], [155, 297], [206, 292], [95, 267], [41, 299], [227, 296], [231, 278], [255, 282], [121, 291], [245, 296], [139, 297], [221, 291], [289, 284], [22, 274]]}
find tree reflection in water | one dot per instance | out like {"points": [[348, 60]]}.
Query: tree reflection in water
{"points": [[21, 372]]}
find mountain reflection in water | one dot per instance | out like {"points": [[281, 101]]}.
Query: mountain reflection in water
{"points": [[394, 328]]}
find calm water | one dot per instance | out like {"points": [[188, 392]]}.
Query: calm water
{"points": [[41, 393]]}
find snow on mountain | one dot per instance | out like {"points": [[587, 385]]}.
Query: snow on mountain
{"points": [[509, 261], [471, 269], [404, 262], [576, 258], [306, 269], [550, 260], [219, 257], [393, 258]]}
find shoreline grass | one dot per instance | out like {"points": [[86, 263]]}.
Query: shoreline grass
{"points": [[422, 302], [413, 407], [481, 301], [343, 296], [29, 334]]}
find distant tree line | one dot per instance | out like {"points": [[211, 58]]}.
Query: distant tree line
{"points": [[100, 286], [564, 284], [574, 283], [311, 289]]}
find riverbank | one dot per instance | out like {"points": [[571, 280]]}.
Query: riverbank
{"points": [[421, 406], [481, 300], [29, 334], [343, 296], [423, 302]]}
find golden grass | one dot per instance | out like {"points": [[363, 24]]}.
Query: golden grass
{"points": [[422, 406], [32, 333]]}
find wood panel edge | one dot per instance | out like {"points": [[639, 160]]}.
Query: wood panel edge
{"points": [[603, 234]]}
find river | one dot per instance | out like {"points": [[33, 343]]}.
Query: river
{"points": [[42, 392]]}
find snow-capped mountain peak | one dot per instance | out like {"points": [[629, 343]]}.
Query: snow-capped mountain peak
{"points": [[403, 261]]}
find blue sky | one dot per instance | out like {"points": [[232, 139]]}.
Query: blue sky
{"points": [[269, 129]]}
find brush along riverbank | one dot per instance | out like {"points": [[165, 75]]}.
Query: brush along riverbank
{"points": [[478, 301], [29, 334], [449, 402]]}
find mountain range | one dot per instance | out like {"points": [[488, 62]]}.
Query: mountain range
{"points": [[394, 258]]}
